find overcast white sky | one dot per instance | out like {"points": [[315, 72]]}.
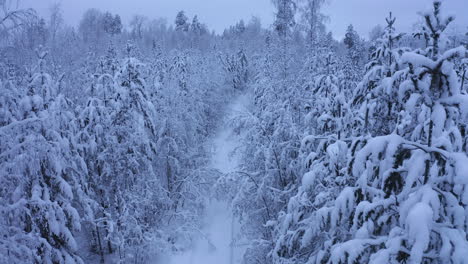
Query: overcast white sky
{"points": [[219, 14]]}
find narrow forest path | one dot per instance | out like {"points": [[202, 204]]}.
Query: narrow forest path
{"points": [[220, 225]]}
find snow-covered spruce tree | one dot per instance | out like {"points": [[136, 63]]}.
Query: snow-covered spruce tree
{"points": [[324, 154], [329, 108], [374, 97], [158, 68], [9, 99], [108, 64], [283, 27], [95, 122], [197, 32], [236, 67], [41, 178], [85, 76], [353, 65], [132, 188], [299, 233], [406, 195], [181, 22], [330, 114]]}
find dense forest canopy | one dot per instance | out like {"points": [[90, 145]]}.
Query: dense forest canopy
{"points": [[349, 151]]}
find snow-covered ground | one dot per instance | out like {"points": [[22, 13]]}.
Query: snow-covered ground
{"points": [[220, 226]]}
